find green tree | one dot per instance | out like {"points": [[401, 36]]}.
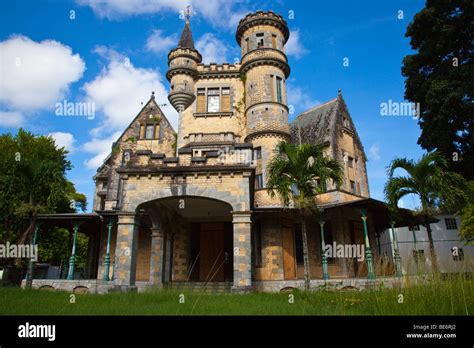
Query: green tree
{"points": [[440, 77], [32, 181], [429, 179], [297, 173]]}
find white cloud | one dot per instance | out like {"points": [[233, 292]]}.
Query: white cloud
{"points": [[159, 43], [294, 46], [119, 90], [11, 119], [65, 140], [220, 13], [374, 152], [100, 149], [298, 98], [36, 75], [212, 49]]}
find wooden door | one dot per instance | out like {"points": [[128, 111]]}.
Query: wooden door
{"points": [[289, 260], [211, 243]]}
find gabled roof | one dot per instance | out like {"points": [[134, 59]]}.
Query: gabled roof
{"points": [[186, 40], [151, 102], [313, 126], [321, 123]]}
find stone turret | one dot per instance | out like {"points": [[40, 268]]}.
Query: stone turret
{"points": [[262, 37], [182, 70]]}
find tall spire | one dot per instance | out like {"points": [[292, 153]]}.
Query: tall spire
{"points": [[186, 40]]}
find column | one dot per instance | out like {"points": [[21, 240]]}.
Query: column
{"points": [[72, 259], [396, 254], [324, 261], [31, 263], [168, 256], [368, 251], [126, 250], [106, 276], [157, 254], [242, 250]]}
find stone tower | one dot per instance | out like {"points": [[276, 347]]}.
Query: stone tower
{"points": [[182, 70], [262, 37]]}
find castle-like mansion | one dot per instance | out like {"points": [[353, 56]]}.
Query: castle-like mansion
{"points": [[191, 205]]}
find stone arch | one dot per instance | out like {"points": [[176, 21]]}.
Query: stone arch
{"points": [[236, 201], [46, 287], [80, 289]]}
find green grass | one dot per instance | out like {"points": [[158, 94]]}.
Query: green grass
{"points": [[454, 296]]}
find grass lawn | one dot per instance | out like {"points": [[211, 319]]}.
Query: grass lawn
{"points": [[453, 296]]}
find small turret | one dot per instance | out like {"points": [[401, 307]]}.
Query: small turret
{"points": [[182, 70]]}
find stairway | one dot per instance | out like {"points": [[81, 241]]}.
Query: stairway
{"points": [[211, 287]]}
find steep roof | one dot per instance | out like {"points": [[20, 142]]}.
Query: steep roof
{"points": [[321, 123], [313, 126], [186, 40]]}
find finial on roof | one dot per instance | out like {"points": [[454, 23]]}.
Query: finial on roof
{"points": [[187, 14], [153, 95], [186, 39], [339, 92]]}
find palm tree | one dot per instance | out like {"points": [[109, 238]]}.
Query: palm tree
{"points": [[297, 173], [429, 179]]}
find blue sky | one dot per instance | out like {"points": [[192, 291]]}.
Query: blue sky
{"points": [[114, 53]]}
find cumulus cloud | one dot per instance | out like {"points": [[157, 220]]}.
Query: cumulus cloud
{"points": [[374, 152], [65, 140], [117, 93], [220, 13], [100, 149], [212, 49], [294, 46], [36, 75], [158, 43], [118, 90], [299, 100], [11, 119]]}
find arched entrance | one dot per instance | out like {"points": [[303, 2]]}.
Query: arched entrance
{"points": [[191, 240]]}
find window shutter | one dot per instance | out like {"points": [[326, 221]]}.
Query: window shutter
{"points": [[225, 100], [201, 101]]}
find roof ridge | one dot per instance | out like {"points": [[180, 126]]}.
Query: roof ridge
{"points": [[317, 107]]}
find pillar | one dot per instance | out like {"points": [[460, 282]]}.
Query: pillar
{"points": [[396, 254], [368, 251], [324, 260], [106, 276], [126, 250], [31, 264], [157, 254], [242, 250], [72, 259]]}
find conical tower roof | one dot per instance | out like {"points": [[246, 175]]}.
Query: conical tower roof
{"points": [[186, 40]]}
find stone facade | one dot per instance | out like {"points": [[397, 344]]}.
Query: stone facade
{"points": [[192, 206]]}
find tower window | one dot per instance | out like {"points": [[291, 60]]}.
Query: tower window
{"points": [[274, 41], [247, 44], [213, 100], [257, 153], [260, 41], [350, 162], [278, 89]]}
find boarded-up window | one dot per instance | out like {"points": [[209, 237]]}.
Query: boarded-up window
{"points": [[201, 100], [278, 89], [149, 133], [225, 99], [274, 44]]}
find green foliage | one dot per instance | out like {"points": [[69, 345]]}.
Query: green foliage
{"points": [[453, 296], [54, 246], [440, 76], [466, 232], [430, 180], [299, 172], [32, 181]]}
